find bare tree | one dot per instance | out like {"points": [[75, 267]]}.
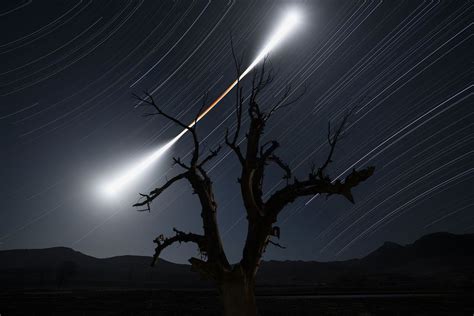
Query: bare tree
{"points": [[236, 282]]}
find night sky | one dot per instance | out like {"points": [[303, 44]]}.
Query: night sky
{"points": [[68, 121]]}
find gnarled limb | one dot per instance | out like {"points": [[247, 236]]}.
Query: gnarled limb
{"points": [[313, 186], [162, 243], [202, 186], [156, 192]]}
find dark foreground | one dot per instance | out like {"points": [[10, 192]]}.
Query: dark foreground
{"points": [[204, 302]]}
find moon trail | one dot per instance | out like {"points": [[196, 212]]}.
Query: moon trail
{"points": [[287, 25]]}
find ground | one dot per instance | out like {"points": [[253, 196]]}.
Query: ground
{"points": [[204, 302]]}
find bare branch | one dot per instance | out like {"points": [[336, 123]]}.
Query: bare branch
{"points": [[314, 186], [150, 101], [285, 167], [236, 148], [147, 203], [177, 161], [212, 154], [266, 150], [156, 192], [281, 103], [232, 144], [275, 244], [332, 141], [162, 243], [259, 82]]}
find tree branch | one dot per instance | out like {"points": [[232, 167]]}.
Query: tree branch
{"points": [[149, 100], [314, 186], [332, 141], [232, 144], [275, 244], [162, 243], [285, 167], [177, 161], [156, 192], [280, 104], [212, 155], [236, 148]]}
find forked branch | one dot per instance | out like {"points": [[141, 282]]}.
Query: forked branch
{"points": [[332, 138], [156, 192], [149, 100]]}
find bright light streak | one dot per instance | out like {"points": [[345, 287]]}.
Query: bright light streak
{"points": [[112, 188], [288, 24]]}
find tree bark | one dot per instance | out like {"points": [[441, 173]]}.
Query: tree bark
{"points": [[238, 297]]}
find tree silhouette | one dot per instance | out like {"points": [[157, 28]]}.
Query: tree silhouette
{"points": [[236, 282]]}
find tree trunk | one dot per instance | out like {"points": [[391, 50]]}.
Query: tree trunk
{"points": [[238, 297]]}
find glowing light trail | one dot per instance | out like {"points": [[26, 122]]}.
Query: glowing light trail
{"points": [[288, 24]]}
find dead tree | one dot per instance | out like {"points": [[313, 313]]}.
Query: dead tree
{"points": [[236, 282]]}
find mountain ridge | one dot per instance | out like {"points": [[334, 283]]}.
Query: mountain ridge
{"points": [[441, 259]]}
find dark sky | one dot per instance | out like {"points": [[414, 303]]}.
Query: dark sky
{"points": [[68, 123]]}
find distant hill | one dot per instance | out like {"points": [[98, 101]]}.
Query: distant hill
{"points": [[440, 260], [61, 266], [435, 260]]}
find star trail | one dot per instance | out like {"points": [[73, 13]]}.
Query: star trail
{"points": [[68, 119]]}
